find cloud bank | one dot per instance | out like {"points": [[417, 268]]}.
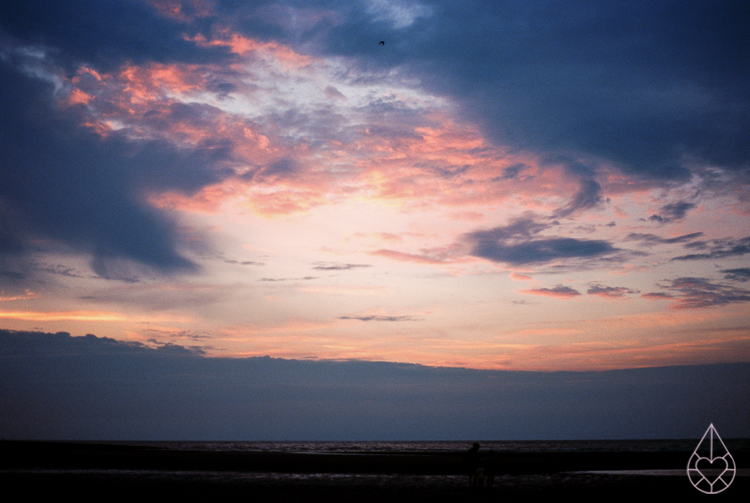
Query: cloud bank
{"points": [[63, 387]]}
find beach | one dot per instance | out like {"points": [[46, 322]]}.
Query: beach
{"points": [[94, 470]]}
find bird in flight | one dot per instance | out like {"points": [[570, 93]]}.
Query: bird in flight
{"points": [[382, 42]]}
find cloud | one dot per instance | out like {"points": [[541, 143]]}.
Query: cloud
{"points": [[611, 292], [400, 13], [517, 244], [520, 277], [721, 248], [60, 270], [338, 267], [104, 34], [740, 274], [378, 318], [673, 212], [689, 293], [589, 193], [588, 196], [512, 172], [407, 257], [55, 386], [334, 94], [653, 239], [645, 88], [560, 292], [677, 211], [305, 278], [244, 262], [27, 295], [71, 186]]}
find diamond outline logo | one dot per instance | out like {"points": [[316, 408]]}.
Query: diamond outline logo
{"points": [[702, 471]]}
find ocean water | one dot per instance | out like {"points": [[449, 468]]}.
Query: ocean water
{"points": [[353, 447], [569, 481]]}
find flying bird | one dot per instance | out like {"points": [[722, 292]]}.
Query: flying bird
{"points": [[382, 42]]}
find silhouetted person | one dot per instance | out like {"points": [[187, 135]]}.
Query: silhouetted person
{"points": [[471, 461], [490, 468]]}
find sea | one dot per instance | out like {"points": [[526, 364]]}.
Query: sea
{"points": [[439, 446], [359, 480]]}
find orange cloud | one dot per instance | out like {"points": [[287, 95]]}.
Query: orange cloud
{"points": [[520, 277], [63, 315], [85, 316], [28, 295], [78, 97], [244, 46], [560, 292], [407, 257], [183, 10]]}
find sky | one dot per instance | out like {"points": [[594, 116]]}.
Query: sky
{"points": [[498, 186]]}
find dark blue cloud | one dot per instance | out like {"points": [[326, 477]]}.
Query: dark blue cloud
{"points": [[516, 244], [644, 86], [677, 211], [511, 172], [61, 182], [104, 34], [701, 292], [740, 274], [53, 386], [719, 249], [672, 211], [653, 239], [640, 85]]}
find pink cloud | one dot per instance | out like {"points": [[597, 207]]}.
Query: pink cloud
{"points": [[560, 292], [28, 295], [520, 277], [182, 10], [407, 257]]}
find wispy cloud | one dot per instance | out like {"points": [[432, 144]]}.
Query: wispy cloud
{"points": [[378, 318], [739, 274], [339, 267], [27, 295], [560, 292], [653, 239], [611, 292], [407, 257], [689, 293], [721, 248], [673, 212]]}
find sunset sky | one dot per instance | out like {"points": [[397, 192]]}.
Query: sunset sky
{"points": [[503, 185]]}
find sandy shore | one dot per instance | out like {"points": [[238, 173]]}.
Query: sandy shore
{"points": [[93, 471]]}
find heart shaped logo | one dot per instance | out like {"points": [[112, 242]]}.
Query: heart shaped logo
{"points": [[711, 469]]}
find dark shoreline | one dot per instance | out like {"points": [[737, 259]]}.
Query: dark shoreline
{"points": [[74, 455], [93, 470]]}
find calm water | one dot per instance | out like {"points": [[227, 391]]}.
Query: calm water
{"points": [[570, 480], [447, 446]]}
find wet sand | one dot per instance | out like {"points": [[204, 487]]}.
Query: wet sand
{"points": [[94, 471]]}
